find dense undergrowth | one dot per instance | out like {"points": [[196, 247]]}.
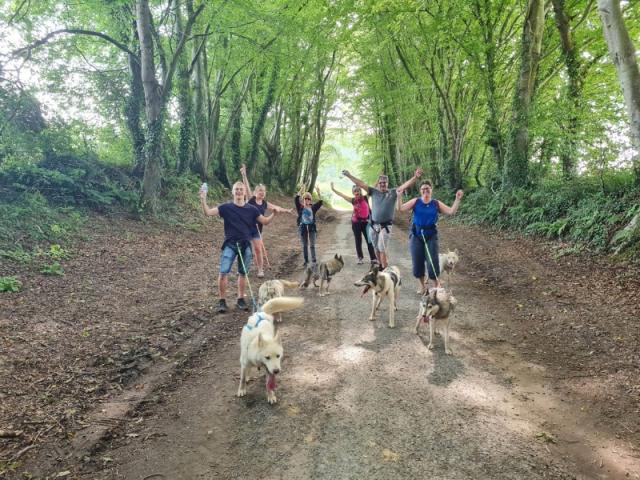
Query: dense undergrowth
{"points": [[44, 206], [590, 213]]}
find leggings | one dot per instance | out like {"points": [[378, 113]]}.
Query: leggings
{"points": [[359, 231]]}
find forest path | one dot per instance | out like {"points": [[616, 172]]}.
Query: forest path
{"points": [[360, 400]]}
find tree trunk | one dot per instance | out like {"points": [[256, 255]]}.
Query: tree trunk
{"points": [[185, 107], [258, 128], [623, 54], [153, 107], [516, 172]]}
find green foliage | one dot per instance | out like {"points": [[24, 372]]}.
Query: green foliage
{"points": [[55, 269], [29, 221], [584, 211], [68, 180], [10, 284]]}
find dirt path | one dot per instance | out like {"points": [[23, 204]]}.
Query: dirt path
{"points": [[360, 400]]}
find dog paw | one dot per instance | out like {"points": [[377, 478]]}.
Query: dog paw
{"points": [[447, 351], [242, 392], [430, 346], [371, 319], [271, 397]]}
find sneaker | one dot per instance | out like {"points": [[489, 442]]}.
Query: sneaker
{"points": [[260, 273], [360, 261], [242, 305], [222, 306]]}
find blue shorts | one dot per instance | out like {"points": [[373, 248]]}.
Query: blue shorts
{"points": [[229, 255]]}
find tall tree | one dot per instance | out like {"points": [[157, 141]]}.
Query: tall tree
{"points": [[623, 54], [517, 166]]}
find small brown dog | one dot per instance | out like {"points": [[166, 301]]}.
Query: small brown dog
{"points": [[437, 306]]}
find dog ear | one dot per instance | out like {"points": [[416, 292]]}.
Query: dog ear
{"points": [[336, 256], [260, 341], [277, 338]]}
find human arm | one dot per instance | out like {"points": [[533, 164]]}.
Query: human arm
{"points": [[266, 219], [277, 208], [245, 180], [355, 180], [453, 209], [411, 181], [347, 198], [208, 211], [408, 205]]}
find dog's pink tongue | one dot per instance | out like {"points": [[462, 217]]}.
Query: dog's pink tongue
{"points": [[365, 290], [271, 381]]}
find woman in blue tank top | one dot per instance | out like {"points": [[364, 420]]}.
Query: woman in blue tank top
{"points": [[423, 240]]}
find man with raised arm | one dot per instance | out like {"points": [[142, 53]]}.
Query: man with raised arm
{"points": [[383, 208], [239, 222]]}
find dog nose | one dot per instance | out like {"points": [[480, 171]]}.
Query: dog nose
{"points": [[276, 370]]}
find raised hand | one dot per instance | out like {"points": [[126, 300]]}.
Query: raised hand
{"points": [[459, 194]]}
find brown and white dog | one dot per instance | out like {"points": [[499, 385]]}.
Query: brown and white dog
{"points": [[437, 306], [385, 283], [260, 346]]}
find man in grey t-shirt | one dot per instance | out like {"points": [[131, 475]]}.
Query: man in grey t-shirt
{"points": [[383, 209]]}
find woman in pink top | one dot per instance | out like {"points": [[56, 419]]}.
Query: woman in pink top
{"points": [[359, 220]]}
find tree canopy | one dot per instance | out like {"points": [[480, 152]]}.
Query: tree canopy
{"points": [[497, 94]]}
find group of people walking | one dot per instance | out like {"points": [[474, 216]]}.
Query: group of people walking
{"points": [[244, 218]]}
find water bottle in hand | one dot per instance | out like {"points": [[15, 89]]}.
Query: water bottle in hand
{"points": [[204, 188]]}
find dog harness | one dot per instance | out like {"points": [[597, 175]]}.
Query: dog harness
{"points": [[261, 316]]}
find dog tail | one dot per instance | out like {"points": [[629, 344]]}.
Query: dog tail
{"points": [[289, 284], [282, 304]]}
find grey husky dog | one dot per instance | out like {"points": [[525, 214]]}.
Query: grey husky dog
{"points": [[324, 272], [437, 306]]}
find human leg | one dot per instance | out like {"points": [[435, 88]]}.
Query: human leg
{"points": [[433, 263], [416, 249], [356, 227], [304, 238], [312, 246], [258, 249]]}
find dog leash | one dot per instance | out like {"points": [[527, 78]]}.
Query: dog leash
{"points": [[424, 240], [264, 249], [244, 267]]}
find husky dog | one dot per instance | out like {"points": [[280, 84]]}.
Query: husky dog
{"points": [[385, 283], [437, 306], [448, 262], [260, 346], [324, 272], [273, 289]]}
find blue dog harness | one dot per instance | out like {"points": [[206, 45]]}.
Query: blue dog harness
{"points": [[261, 316]]}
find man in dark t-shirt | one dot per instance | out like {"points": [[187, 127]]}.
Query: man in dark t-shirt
{"points": [[239, 222]]}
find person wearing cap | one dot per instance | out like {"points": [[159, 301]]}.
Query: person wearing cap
{"points": [[359, 220], [239, 219], [307, 222], [383, 208]]}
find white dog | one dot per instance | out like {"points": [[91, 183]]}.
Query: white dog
{"points": [[260, 346], [448, 261], [384, 283], [437, 306]]}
